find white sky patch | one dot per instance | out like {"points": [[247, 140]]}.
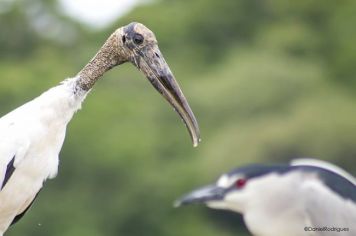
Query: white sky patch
{"points": [[97, 13]]}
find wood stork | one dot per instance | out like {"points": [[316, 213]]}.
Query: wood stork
{"points": [[32, 135]]}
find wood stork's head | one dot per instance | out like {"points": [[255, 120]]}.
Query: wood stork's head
{"points": [[138, 45]]}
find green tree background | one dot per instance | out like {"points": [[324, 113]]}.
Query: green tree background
{"points": [[269, 81]]}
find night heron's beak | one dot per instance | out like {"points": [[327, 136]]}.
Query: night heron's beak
{"points": [[151, 62], [202, 195]]}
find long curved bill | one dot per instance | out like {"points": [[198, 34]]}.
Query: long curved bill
{"points": [[151, 62]]}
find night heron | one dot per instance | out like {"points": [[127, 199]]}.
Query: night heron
{"points": [[307, 197], [32, 135]]}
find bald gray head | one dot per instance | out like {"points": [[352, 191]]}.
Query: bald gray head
{"points": [[137, 44]]}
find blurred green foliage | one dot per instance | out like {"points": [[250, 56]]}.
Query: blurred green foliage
{"points": [[269, 81]]}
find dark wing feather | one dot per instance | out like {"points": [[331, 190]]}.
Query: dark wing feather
{"points": [[9, 170]]}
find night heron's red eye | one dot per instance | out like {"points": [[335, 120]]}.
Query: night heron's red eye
{"points": [[240, 183]]}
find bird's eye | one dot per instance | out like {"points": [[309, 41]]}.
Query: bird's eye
{"points": [[138, 39], [124, 39], [240, 183]]}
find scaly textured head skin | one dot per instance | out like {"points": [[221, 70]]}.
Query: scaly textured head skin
{"points": [[137, 44]]}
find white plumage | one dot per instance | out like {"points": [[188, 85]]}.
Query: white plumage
{"points": [[33, 135]]}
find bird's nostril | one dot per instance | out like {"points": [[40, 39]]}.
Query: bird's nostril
{"points": [[157, 54]]}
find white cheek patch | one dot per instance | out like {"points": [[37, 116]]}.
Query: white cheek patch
{"points": [[223, 182]]}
